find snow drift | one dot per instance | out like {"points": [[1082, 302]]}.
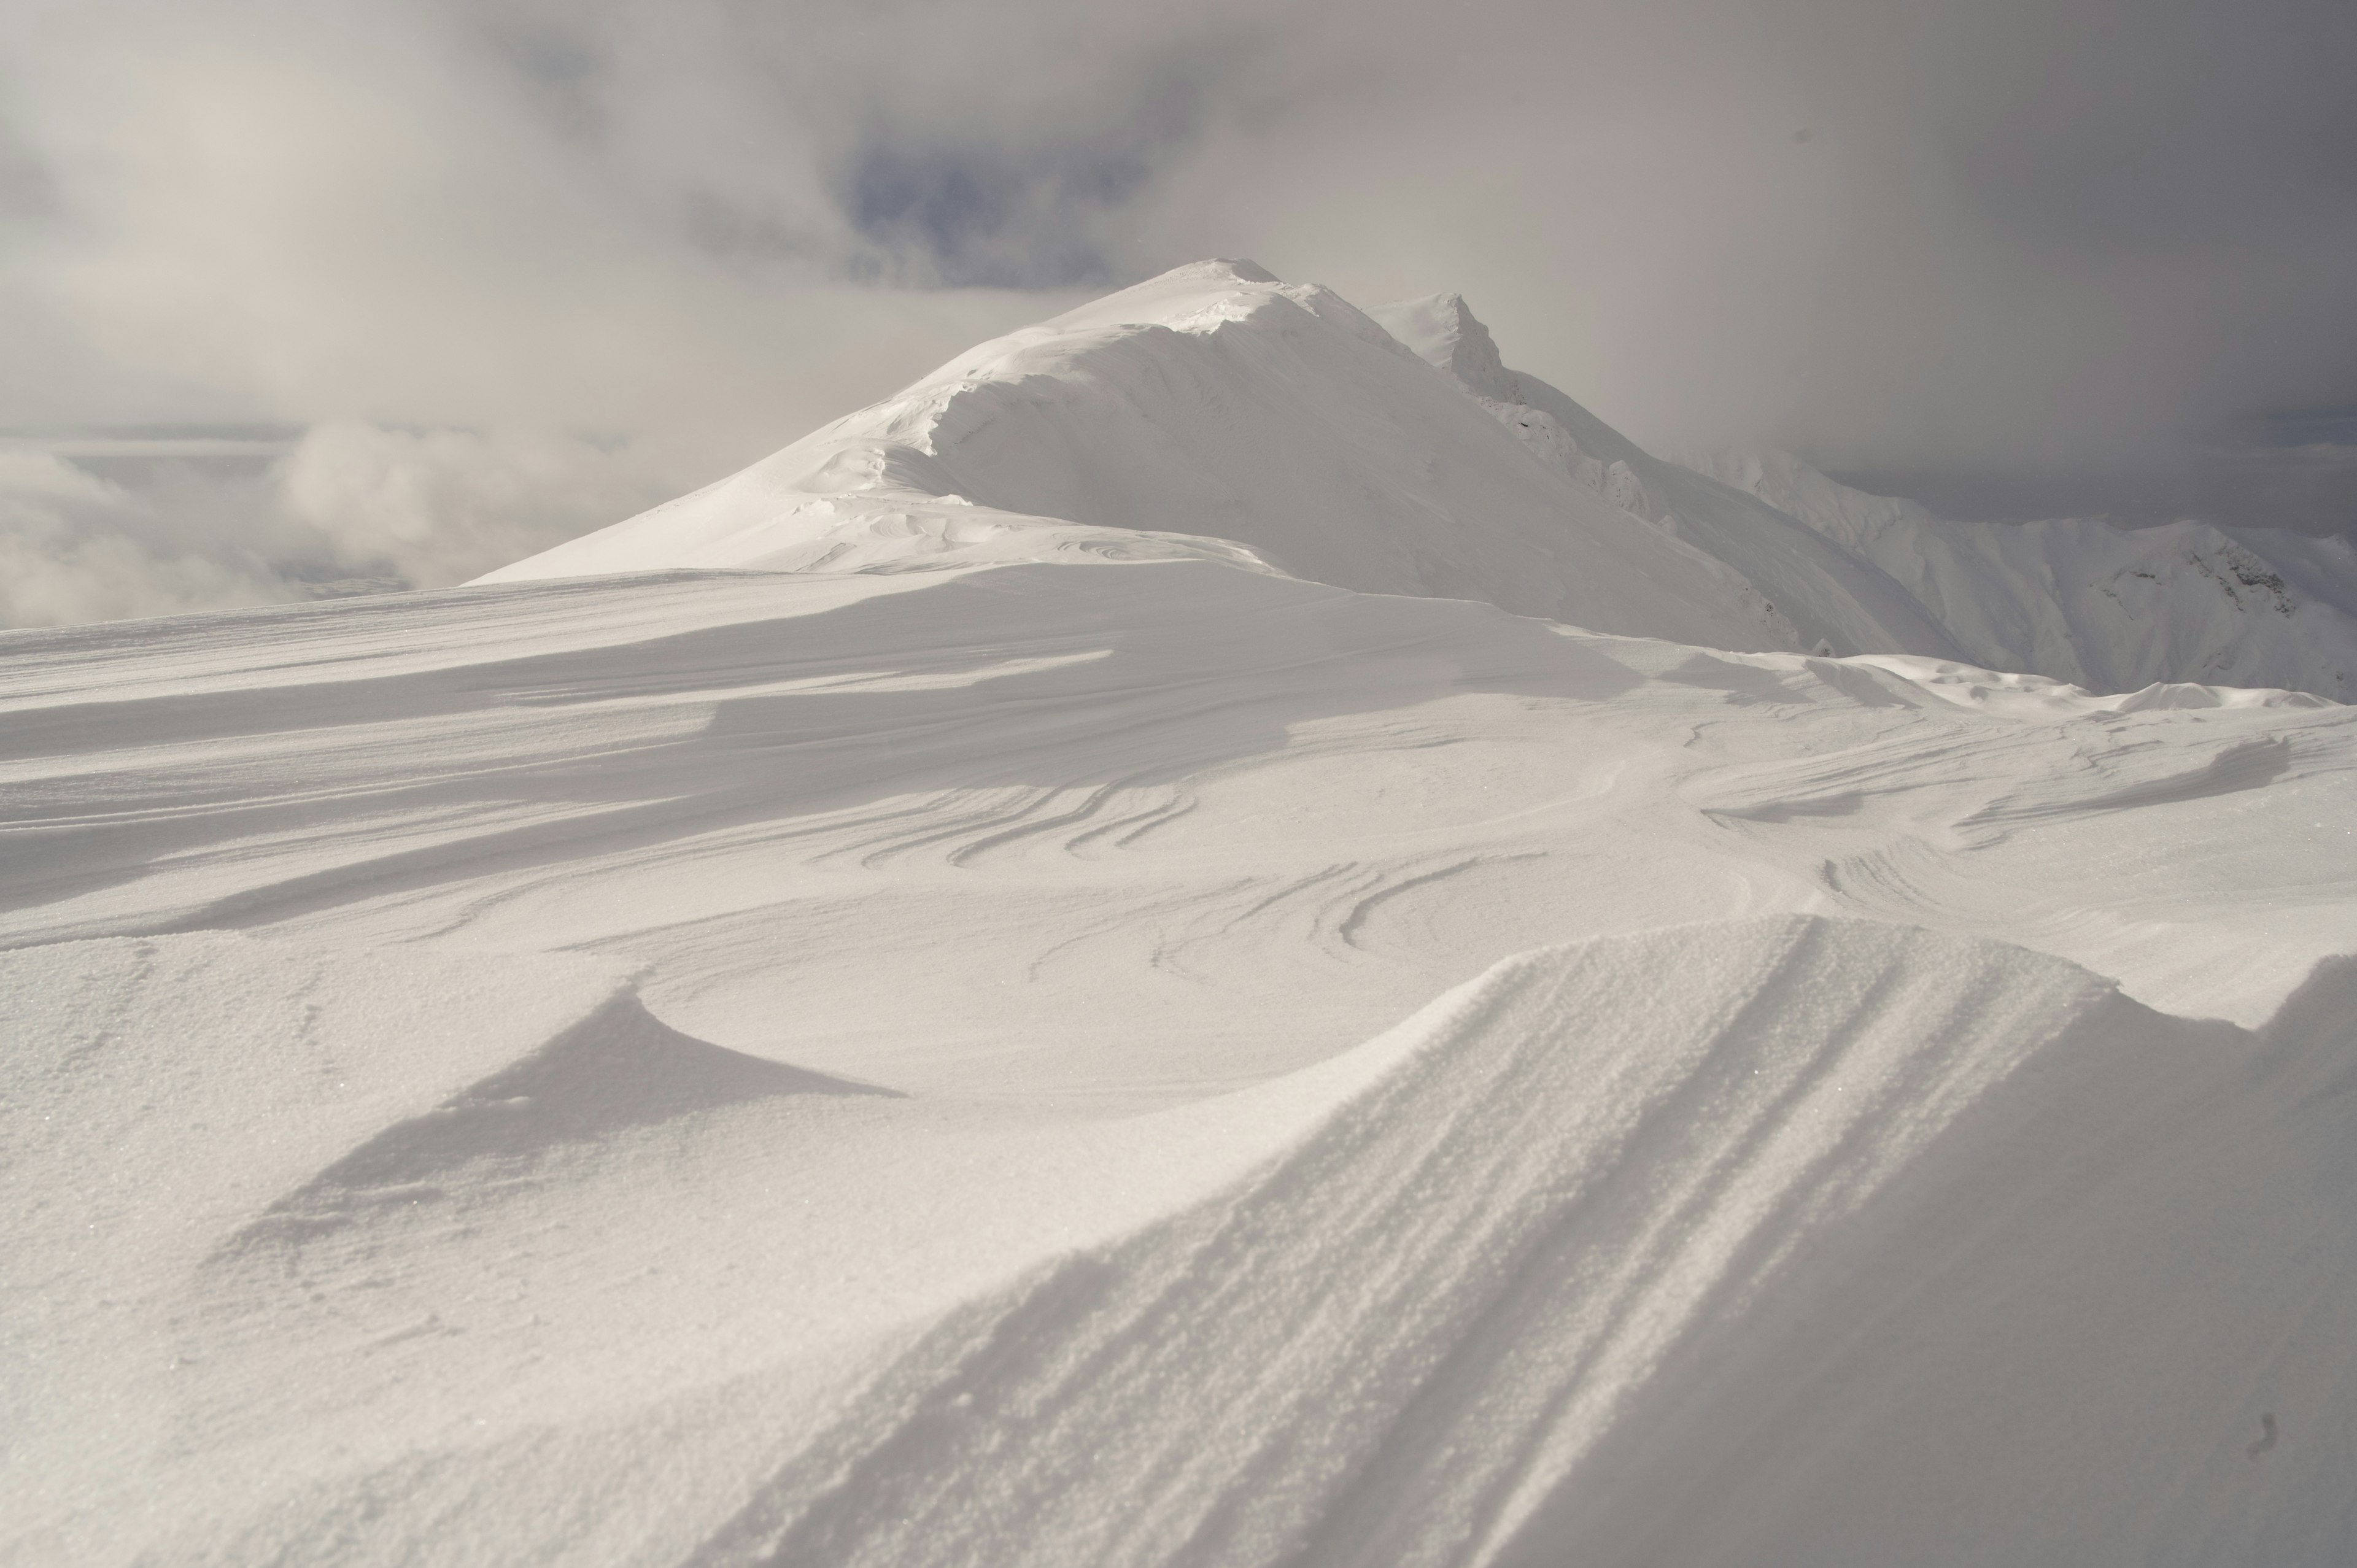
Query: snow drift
{"points": [[1680, 1248], [1780, 1241]]}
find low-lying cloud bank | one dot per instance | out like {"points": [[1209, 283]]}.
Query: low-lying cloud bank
{"points": [[99, 528]]}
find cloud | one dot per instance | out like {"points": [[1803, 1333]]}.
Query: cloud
{"points": [[195, 522], [339, 211], [2016, 237], [1996, 238], [76, 548], [439, 507]]}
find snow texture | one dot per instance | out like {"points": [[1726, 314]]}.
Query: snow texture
{"points": [[1066, 1032]]}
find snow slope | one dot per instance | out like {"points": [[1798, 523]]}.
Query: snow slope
{"points": [[1209, 408], [1676, 1164], [1837, 602], [2075, 600], [2108, 608], [1216, 414], [709, 1067]]}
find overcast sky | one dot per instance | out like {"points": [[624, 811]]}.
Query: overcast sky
{"points": [[440, 282]]}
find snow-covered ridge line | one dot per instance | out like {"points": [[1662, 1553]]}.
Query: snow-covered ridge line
{"points": [[2112, 610], [1215, 413], [1837, 604], [1212, 411], [2039, 697], [2077, 599]]}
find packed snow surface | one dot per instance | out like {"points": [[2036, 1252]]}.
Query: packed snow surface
{"points": [[1085, 1039]]}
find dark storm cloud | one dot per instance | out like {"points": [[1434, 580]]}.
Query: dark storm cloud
{"points": [[968, 215], [943, 146], [2154, 128]]}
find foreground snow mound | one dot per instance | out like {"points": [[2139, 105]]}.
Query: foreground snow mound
{"points": [[2078, 599], [1212, 411], [1797, 1243], [1790, 1241], [1412, 1333]]}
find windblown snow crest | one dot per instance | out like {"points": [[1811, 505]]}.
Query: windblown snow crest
{"points": [[1673, 1247]]}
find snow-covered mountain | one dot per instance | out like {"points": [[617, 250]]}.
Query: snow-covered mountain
{"points": [[1838, 601], [2078, 599], [1211, 408], [1215, 413]]}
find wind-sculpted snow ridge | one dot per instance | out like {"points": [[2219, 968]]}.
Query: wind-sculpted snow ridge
{"points": [[1787, 1242], [741, 1066], [1795, 1243], [2026, 696], [2076, 598], [1210, 413], [1411, 1331]]}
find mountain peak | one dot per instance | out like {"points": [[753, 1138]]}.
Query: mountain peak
{"points": [[1442, 329], [1237, 267]]}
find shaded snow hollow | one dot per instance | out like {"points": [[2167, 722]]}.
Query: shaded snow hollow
{"points": [[1052, 1033]]}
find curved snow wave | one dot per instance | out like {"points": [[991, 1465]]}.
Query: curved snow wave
{"points": [[618, 1070], [1786, 1241], [1212, 411], [1896, 1237], [1799, 1210], [240, 1160], [155, 1088]]}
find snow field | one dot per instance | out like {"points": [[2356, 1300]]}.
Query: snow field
{"points": [[733, 985], [1064, 972]]}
